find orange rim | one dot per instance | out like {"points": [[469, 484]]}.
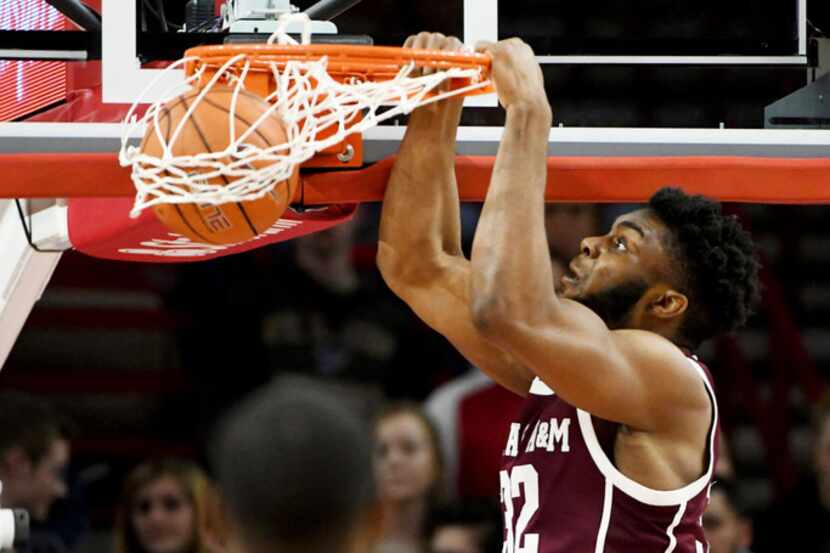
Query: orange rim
{"points": [[368, 63]]}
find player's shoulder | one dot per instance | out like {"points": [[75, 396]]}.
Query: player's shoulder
{"points": [[659, 357], [650, 346]]}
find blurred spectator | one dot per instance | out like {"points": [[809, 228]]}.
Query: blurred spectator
{"points": [[466, 527], [169, 506], [801, 520], [295, 468], [326, 315], [328, 310], [409, 474], [472, 414], [34, 456], [727, 529], [315, 306]]}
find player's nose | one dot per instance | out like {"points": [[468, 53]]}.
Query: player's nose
{"points": [[589, 246]]}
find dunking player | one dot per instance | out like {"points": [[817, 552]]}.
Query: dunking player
{"points": [[614, 448]]}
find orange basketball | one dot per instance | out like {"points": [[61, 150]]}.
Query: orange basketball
{"points": [[208, 130]]}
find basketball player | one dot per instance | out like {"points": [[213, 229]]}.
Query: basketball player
{"points": [[614, 448], [295, 467]]}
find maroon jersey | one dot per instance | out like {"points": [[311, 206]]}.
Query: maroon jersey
{"points": [[561, 493]]}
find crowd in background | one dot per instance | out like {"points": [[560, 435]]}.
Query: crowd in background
{"points": [[171, 505], [317, 310]]}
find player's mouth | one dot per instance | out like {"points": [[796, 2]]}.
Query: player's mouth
{"points": [[571, 276]]}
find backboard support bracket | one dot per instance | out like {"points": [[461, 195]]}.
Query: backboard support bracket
{"points": [[808, 107], [25, 274]]}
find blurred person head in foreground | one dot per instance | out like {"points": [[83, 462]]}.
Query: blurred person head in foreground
{"points": [[294, 465]]}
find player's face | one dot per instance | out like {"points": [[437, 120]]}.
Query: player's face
{"points": [[163, 517], [725, 530], [405, 458], [612, 272]]}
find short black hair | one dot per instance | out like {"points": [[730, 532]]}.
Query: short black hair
{"points": [[483, 515], [717, 261], [31, 423], [295, 467]]}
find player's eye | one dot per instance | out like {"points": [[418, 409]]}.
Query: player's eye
{"points": [[620, 244]]}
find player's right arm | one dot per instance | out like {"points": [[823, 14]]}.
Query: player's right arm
{"points": [[419, 253]]}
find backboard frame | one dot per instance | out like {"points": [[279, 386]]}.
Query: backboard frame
{"points": [[123, 77]]}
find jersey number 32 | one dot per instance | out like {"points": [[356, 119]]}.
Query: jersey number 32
{"points": [[521, 480]]}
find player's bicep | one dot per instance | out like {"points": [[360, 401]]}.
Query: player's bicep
{"points": [[443, 304], [631, 377]]}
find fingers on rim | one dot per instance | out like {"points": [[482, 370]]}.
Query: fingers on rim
{"points": [[484, 46], [433, 41], [453, 44], [425, 40]]}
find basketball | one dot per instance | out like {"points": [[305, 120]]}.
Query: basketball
{"points": [[208, 130]]}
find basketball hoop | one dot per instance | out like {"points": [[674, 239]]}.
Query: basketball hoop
{"points": [[323, 94]]}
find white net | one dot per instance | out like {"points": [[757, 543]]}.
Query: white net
{"points": [[316, 110]]}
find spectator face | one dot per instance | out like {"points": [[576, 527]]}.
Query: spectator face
{"points": [[455, 539], [726, 530], [163, 517], [36, 486], [405, 460]]}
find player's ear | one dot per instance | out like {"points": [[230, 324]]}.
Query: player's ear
{"points": [[668, 304]]}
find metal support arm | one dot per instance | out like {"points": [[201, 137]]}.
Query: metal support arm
{"points": [[80, 14], [326, 10]]}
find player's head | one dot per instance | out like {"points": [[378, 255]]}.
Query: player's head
{"points": [[678, 267], [34, 453], [728, 529], [295, 468]]}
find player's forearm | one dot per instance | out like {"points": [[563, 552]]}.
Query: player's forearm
{"points": [[512, 276], [420, 215]]}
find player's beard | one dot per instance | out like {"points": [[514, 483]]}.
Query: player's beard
{"points": [[615, 304]]}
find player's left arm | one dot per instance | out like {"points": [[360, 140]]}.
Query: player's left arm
{"points": [[632, 377]]}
